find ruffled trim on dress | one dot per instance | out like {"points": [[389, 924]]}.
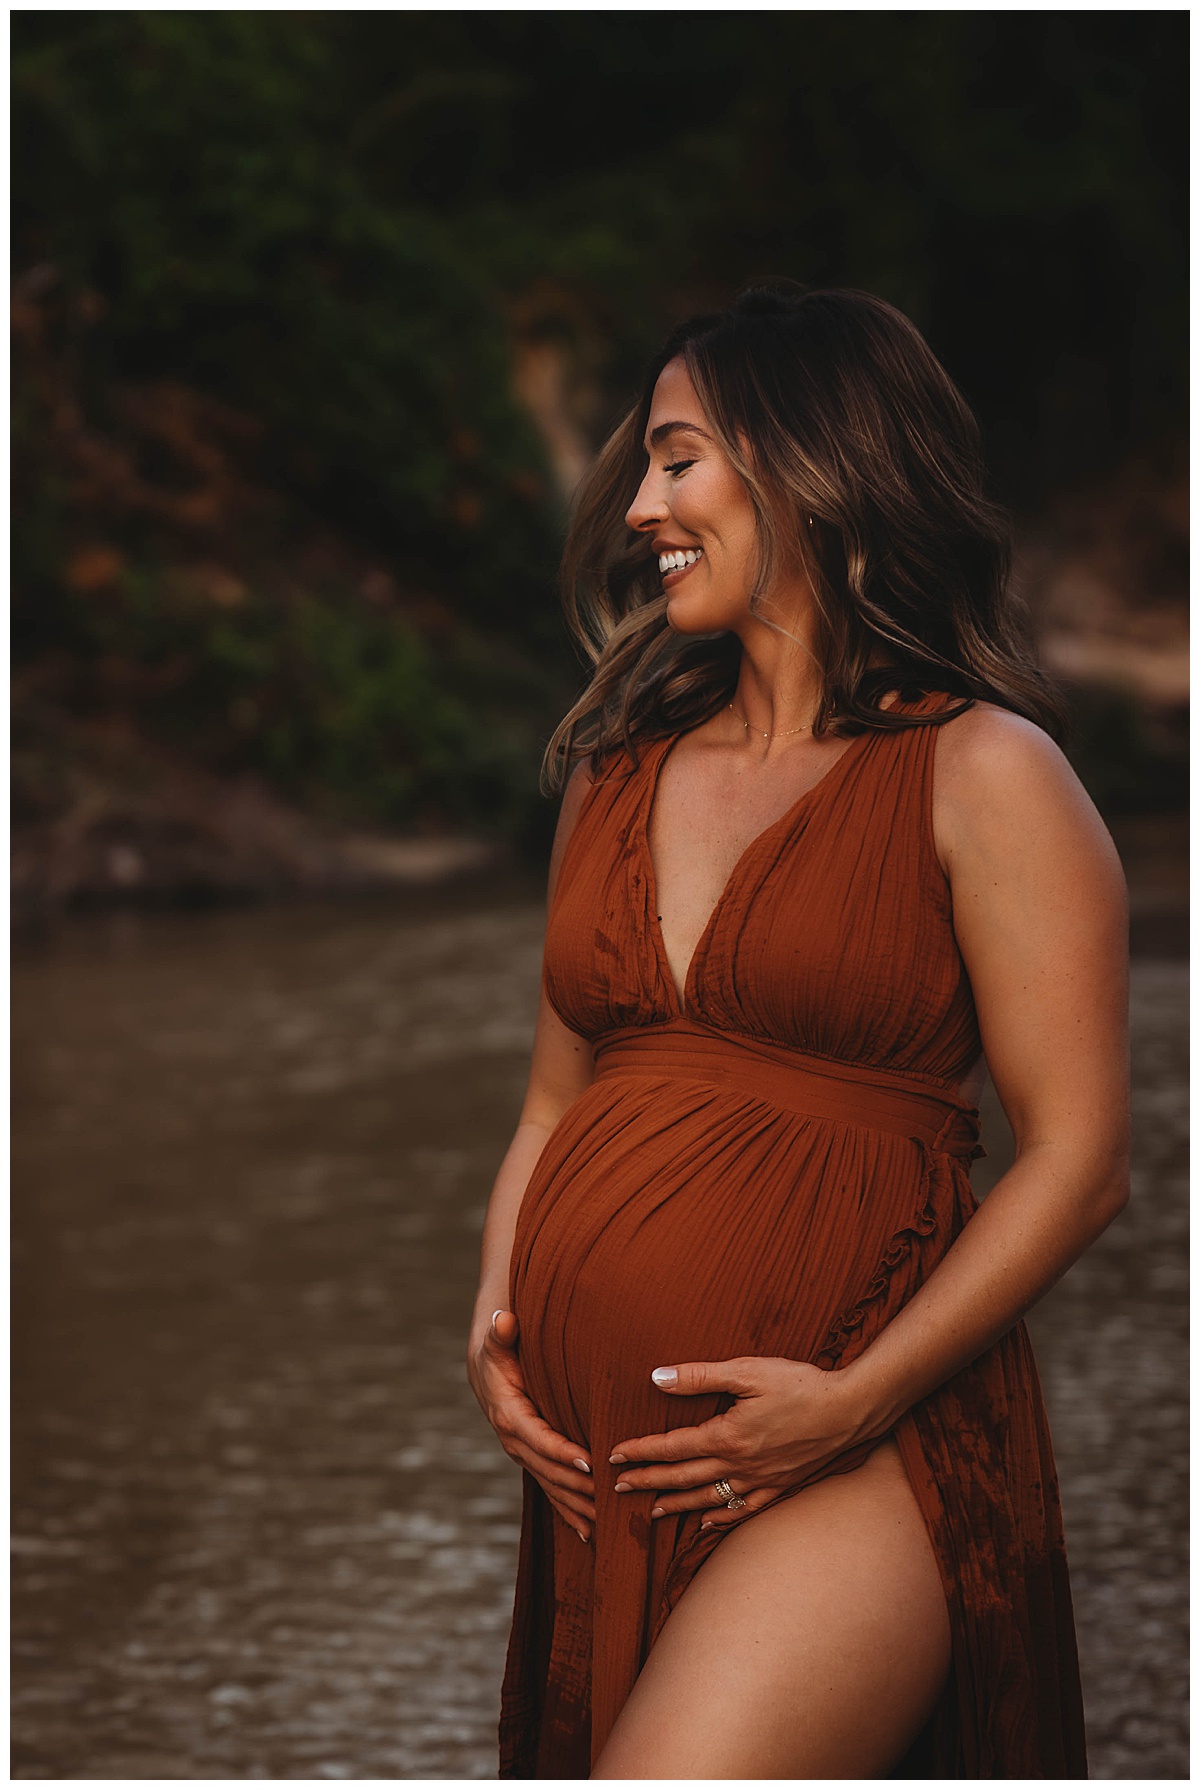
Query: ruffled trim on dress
{"points": [[922, 1223]]}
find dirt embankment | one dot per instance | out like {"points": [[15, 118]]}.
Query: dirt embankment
{"points": [[141, 829]]}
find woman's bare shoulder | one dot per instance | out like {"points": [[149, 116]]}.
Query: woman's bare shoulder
{"points": [[980, 751], [1003, 787]]}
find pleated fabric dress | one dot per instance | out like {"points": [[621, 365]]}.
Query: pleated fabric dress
{"points": [[772, 1167]]}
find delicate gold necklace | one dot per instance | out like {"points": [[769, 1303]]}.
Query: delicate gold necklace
{"points": [[779, 732]]}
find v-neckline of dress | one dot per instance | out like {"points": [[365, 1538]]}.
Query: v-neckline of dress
{"points": [[682, 1004]]}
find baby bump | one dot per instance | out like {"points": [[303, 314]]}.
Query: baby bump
{"points": [[684, 1224]]}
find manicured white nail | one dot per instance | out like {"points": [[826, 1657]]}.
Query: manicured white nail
{"points": [[665, 1376], [582, 1534], [658, 1511], [617, 1460], [496, 1314], [708, 1525], [582, 1465]]}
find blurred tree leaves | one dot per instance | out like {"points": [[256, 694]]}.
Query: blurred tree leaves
{"points": [[194, 170]]}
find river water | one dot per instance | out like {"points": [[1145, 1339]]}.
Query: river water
{"points": [[262, 1530]]}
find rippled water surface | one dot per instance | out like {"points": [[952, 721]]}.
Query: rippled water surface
{"points": [[261, 1528]]}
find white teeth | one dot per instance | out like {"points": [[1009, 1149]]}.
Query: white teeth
{"points": [[676, 562]]}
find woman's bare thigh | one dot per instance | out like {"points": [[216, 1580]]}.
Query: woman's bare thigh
{"points": [[813, 1643]]}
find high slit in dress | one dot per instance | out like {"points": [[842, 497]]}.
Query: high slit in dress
{"points": [[772, 1167]]}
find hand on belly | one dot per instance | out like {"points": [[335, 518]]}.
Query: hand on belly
{"points": [[788, 1423]]}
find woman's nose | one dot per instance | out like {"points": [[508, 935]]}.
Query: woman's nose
{"points": [[646, 510]]}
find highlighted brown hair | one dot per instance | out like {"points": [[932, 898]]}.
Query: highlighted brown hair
{"points": [[849, 418]]}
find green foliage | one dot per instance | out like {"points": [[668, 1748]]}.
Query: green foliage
{"points": [[191, 170], [350, 713]]}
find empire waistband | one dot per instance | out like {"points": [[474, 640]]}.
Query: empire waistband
{"points": [[797, 1081]]}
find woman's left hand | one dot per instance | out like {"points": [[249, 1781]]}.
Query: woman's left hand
{"points": [[790, 1420]]}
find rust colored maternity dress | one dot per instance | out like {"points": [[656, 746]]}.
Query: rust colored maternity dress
{"points": [[772, 1167]]}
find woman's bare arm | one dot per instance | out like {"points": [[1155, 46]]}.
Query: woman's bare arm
{"points": [[561, 1068], [1041, 917]]}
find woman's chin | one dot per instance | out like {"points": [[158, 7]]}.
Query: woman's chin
{"points": [[696, 618]]}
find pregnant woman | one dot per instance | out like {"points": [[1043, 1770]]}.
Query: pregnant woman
{"points": [[790, 1506]]}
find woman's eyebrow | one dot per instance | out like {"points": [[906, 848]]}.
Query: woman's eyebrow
{"points": [[665, 429]]}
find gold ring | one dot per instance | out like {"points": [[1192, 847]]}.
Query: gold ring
{"points": [[729, 1498]]}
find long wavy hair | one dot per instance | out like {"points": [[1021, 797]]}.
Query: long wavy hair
{"points": [[849, 418]]}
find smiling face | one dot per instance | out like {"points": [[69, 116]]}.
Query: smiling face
{"points": [[697, 512]]}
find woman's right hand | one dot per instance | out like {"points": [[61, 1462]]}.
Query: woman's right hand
{"points": [[560, 1467]]}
